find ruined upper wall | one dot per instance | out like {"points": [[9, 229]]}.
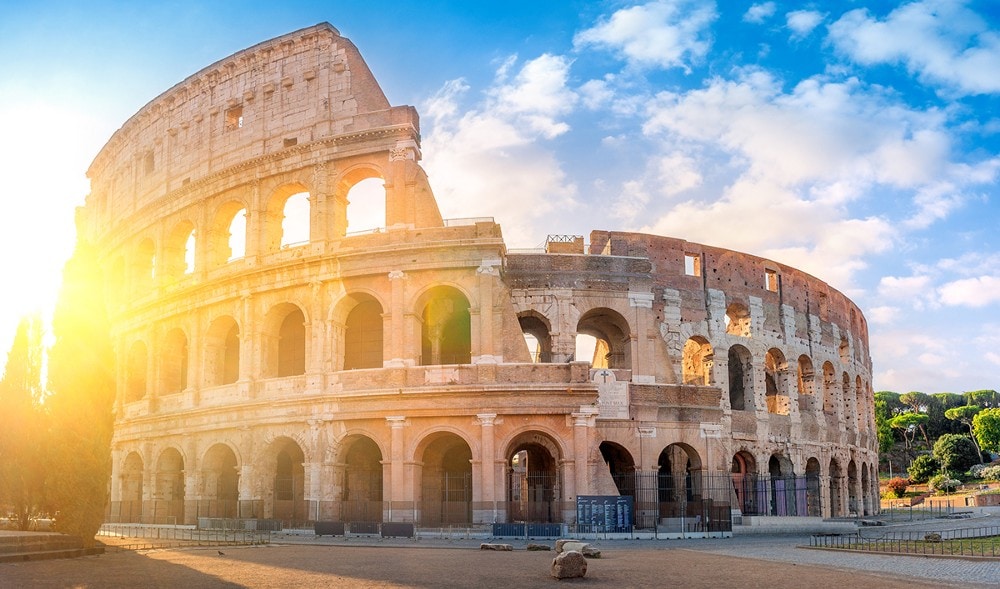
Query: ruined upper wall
{"points": [[301, 87], [740, 276]]}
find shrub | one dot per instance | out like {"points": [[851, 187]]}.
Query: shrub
{"points": [[896, 487], [923, 468], [976, 471], [990, 473], [955, 452], [942, 483]]}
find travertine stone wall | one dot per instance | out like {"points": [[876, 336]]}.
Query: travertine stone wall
{"points": [[360, 375]]}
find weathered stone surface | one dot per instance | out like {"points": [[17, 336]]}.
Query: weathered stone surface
{"points": [[336, 352], [497, 547], [569, 565], [532, 547], [590, 551], [932, 537]]}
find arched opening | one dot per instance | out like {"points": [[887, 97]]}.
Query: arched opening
{"points": [[536, 337], [227, 237], [861, 404], [775, 370], [174, 362], [361, 500], [135, 373], [740, 379], [836, 481], [222, 352], [143, 267], [679, 484], [221, 480], [130, 509], [853, 490], [295, 220], [446, 481], [284, 341], [829, 389], [169, 507], [534, 488], [178, 251], [866, 495], [363, 335], [743, 472], [783, 486], [446, 334], [613, 346], [366, 205], [237, 236], [737, 320], [621, 466], [288, 485], [814, 503], [806, 384], [698, 357], [850, 413]]}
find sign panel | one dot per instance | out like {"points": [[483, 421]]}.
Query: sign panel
{"points": [[604, 513]]}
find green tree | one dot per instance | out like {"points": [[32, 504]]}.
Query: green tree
{"points": [[939, 424], [892, 402], [956, 453], [923, 468], [886, 435], [920, 403], [81, 402], [986, 427], [985, 398], [22, 471], [909, 424], [964, 415]]}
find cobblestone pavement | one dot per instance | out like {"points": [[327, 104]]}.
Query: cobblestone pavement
{"points": [[303, 560]]}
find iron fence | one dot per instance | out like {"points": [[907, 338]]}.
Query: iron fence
{"points": [[978, 541]]}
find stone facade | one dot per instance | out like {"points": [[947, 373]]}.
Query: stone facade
{"points": [[388, 376]]}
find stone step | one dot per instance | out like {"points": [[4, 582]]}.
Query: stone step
{"points": [[50, 554]]}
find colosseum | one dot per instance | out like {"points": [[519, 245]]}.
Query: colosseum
{"points": [[276, 363]]}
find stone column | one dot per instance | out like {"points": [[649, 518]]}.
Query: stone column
{"points": [[394, 325], [397, 486], [583, 428], [488, 491], [484, 350], [642, 367]]}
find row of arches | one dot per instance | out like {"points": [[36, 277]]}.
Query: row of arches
{"points": [[854, 397], [283, 344], [286, 219], [353, 483]]}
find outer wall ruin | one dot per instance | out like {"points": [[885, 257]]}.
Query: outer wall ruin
{"points": [[421, 372]]}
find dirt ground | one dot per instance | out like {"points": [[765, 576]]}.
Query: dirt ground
{"points": [[386, 566]]}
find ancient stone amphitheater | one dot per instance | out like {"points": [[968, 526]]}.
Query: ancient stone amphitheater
{"points": [[420, 371]]}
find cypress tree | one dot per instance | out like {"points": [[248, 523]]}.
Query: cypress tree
{"points": [[22, 470], [81, 399]]}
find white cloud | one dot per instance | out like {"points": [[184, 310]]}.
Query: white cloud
{"points": [[883, 315], [971, 292], [942, 42], [758, 13], [490, 159], [596, 93], [664, 33], [904, 288], [802, 22]]}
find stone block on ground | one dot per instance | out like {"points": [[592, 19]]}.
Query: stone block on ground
{"points": [[498, 547], [538, 547], [569, 565]]}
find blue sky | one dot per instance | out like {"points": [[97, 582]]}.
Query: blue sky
{"points": [[856, 140]]}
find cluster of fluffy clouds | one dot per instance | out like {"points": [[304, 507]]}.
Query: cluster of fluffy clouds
{"points": [[797, 170]]}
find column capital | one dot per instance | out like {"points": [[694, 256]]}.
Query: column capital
{"points": [[486, 419], [396, 421]]}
